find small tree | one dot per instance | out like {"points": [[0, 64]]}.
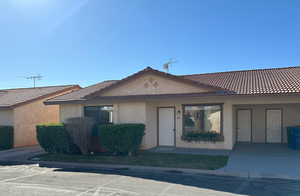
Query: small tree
{"points": [[80, 130]]}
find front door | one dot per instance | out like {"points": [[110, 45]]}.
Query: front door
{"points": [[244, 125], [166, 126], [274, 126]]}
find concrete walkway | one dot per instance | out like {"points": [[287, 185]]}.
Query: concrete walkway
{"points": [[175, 150], [20, 154], [265, 160]]}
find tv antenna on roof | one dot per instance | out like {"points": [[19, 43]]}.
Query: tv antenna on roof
{"points": [[166, 66], [34, 78]]}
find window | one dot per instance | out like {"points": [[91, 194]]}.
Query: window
{"points": [[101, 114], [202, 118]]}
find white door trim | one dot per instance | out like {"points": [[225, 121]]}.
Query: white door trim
{"points": [[237, 124], [174, 127]]}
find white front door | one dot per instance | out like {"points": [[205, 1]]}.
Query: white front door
{"points": [[166, 127], [274, 127], [244, 125]]}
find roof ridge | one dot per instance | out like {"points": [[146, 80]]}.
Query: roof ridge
{"points": [[39, 87], [104, 81], [247, 70]]}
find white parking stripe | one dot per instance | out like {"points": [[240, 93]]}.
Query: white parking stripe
{"points": [[166, 189], [100, 187]]}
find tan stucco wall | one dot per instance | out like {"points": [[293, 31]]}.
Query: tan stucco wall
{"points": [[144, 111], [132, 112], [146, 84], [290, 117], [150, 139], [27, 116], [136, 112], [7, 117]]}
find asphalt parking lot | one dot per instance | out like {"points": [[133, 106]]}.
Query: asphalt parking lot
{"points": [[31, 180]]}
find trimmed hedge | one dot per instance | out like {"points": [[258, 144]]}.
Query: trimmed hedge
{"points": [[54, 138], [6, 137], [194, 136], [121, 138]]}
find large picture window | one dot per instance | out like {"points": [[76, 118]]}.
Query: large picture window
{"points": [[202, 118], [100, 114]]}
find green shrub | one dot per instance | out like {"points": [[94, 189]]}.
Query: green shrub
{"points": [[6, 137], [54, 138], [122, 138], [194, 136]]}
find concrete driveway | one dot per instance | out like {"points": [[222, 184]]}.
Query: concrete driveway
{"points": [[265, 160]]}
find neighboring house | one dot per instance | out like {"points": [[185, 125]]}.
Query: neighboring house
{"points": [[253, 106], [23, 109]]}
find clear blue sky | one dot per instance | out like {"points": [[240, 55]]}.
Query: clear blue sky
{"points": [[87, 41]]}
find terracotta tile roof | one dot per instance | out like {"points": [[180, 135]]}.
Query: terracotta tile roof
{"points": [[252, 82], [80, 94], [276, 81], [13, 97], [155, 72]]}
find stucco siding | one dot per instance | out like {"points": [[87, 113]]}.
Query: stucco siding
{"points": [[152, 84], [150, 140], [290, 117], [132, 112], [27, 116], [135, 112], [145, 111], [6, 117], [177, 103]]}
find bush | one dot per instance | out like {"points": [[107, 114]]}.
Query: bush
{"points": [[122, 138], [6, 137], [54, 138], [202, 136]]}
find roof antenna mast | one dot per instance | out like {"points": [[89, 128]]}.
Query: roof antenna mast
{"points": [[34, 78], [167, 65]]}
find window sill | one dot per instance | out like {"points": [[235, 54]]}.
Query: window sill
{"points": [[202, 138]]}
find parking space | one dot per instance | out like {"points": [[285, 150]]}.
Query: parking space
{"points": [[32, 180]]}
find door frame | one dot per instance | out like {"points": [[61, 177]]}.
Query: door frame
{"points": [[251, 123], [157, 115], [266, 123]]}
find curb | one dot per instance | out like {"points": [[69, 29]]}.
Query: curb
{"points": [[91, 166], [106, 167]]}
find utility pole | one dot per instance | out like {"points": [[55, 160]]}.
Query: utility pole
{"points": [[34, 79]]}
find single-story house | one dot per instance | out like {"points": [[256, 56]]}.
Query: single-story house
{"points": [[253, 106], [23, 109]]}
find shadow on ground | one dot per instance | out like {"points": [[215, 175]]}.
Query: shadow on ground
{"points": [[234, 185]]}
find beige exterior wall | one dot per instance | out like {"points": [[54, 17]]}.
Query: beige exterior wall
{"points": [[150, 139], [7, 117], [27, 116], [290, 117], [152, 84], [145, 111]]}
